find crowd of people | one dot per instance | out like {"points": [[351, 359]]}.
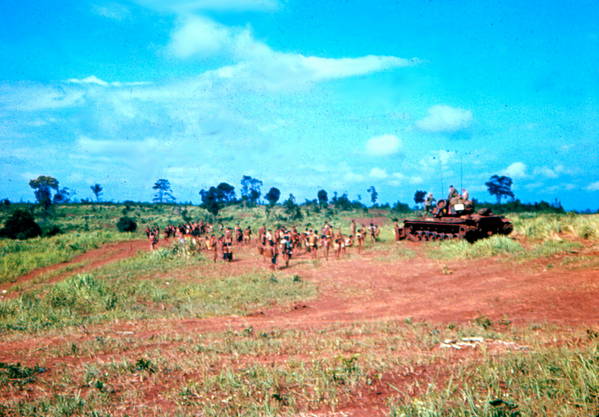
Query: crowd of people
{"points": [[276, 247]]}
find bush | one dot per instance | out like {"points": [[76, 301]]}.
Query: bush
{"points": [[126, 224], [20, 225], [51, 231]]}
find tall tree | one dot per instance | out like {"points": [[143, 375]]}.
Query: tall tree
{"points": [[273, 196], [212, 201], [63, 196], [419, 197], [163, 192], [500, 187], [97, 190], [250, 189], [323, 198], [43, 187], [226, 192], [373, 194]]}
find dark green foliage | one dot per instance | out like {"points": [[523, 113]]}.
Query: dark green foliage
{"points": [[400, 207], [292, 209], [516, 206], [212, 200], [126, 224], [500, 187], [97, 190], [21, 225], [163, 192], [51, 231], [143, 365], [374, 195], [18, 374], [419, 197], [323, 198], [42, 187], [250, 189], [226, 192], [273, 196], [63, 196]]}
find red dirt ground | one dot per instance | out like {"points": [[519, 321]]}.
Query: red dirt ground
{"points": [[377, 285]]}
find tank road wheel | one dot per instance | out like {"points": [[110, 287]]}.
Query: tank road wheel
{"points": [[419, 235], [441, 236], [434, 236], [427, 236]]}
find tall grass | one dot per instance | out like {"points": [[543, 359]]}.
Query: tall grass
{"points": [[543, 226], [461, 249], [21, 257]]}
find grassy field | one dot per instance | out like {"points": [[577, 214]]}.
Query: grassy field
{"points": [[160, 333]]}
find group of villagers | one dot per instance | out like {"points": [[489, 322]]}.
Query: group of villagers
{"points": [[274, 246]]}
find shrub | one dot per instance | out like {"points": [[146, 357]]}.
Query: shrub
{"points": [[21, 225], [52, 231], [126, 224]]}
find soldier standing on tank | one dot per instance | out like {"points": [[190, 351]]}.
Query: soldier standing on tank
{"points": [[453, 195], [465, 195], [428, 204]]}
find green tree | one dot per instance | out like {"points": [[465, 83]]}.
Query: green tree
{"points": [[273, 196], [500, 187], [226, 192], [97, 190], [212, 200], [323, 198], [63, 196], [419, 197], [292, 209], [163, 192], [250, 189], [43, 187], [373, 194]]}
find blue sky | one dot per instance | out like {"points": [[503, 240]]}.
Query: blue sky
{"points": [[303, 95]]}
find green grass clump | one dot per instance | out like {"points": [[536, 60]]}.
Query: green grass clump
{"points": [[21, 257], [461, 249]]}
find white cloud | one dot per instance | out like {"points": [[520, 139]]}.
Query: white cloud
{"points": [[517, 170], [351, 177], [442, 118], [378, 173], [402, 179], [257, 65], [384, 145], [551, 173], [200, 36], [113, 11], [187, 6], [545, 172], [93, 80], [592, 187], [32, 97]]}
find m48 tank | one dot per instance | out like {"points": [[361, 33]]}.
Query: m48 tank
{"points": [[455, 221]]}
